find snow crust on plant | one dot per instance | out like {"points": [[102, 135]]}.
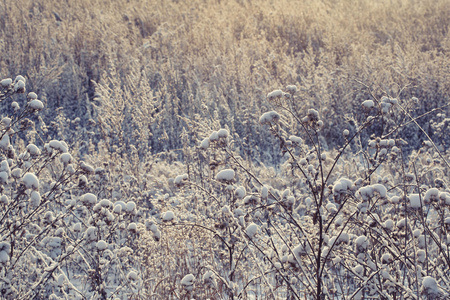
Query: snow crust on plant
{"points": [[269, 117], [101, 245], [368, 104], [5, 142], [188, 282], [168, 216], [30, 181], [223, 133], [204, 144], [225, 175], [33, 150], [274, 94], [36, 104], [251, 230]]}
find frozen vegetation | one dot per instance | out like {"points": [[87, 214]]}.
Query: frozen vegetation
{"points": [[295, 157]]}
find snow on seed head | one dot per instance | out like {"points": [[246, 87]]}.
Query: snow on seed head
{"points": [[223, 133], [132, 275], [274, 94], [6, 82], [214, 136], [240, 192], [5, 142], [88, 199], [36, 104], [33, 150], [368, 104], [168, 216], [30, 181], [188, 282], [86, 167], [269, 118], [204, 144], [252, 230], [32, 96], [291, 89], [101, 245], [225, 175]]}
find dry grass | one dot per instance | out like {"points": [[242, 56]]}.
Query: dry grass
{"points": [[227, 54]]}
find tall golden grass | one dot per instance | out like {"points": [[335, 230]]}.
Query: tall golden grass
{"points": [[228, 54]]}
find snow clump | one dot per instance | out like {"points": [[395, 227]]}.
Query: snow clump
{"points": [[5, 250], [204, 144], [291, 89], [223, 133], [6, 82], [225, 175], [180, 179], [36, 104], [30, 181], [368, 104], [101, 245], [251, 230], [274, 94], [33, 150], [188, 282], [168, 216], [269, 118], [430, 287]]}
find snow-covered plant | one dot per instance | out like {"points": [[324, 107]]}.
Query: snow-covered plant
{"points": [[364, 220], [56, 236]]}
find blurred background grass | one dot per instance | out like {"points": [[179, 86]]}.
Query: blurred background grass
{"points": [[134, 66]]}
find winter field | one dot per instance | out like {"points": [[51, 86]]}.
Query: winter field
{"points": [[228, 149]]}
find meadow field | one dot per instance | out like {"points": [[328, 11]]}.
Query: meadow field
{"points": [[291, 149]]}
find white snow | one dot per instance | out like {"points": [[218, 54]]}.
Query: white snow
{"points": [[380, 189], [214, 136], [431, 195], [414, 200], [251, 230], [269, 117], [361, 243], [6, 121], [295, 139], [36, 104], [35, 198], [19, 86], [5, 142], [291, 89], [132, 227], [204, 144], [188, 282], [6, 82], [368, 104], [168, 216], [32, 96], [132, 275], [180, 179], [33, 150], [89, 198], [225, 175], [223, 133], [86, 167], [274, 94], [131, 206], [30, 181], [66, 158], [430, 286], [264, 192], [101, 245], [240, 192], [117, 209], [57, 145]]}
